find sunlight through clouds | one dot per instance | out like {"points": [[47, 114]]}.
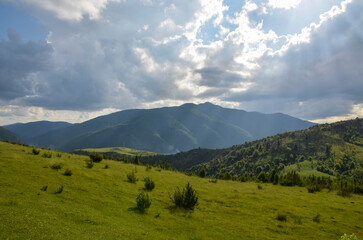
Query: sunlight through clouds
{"points": [[118, 54]]}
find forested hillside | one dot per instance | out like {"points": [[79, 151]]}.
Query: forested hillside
{"points": [[334, 149]]}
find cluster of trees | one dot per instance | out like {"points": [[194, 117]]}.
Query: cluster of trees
{"points": [[344, 185]]}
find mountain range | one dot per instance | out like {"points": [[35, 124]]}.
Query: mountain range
{"points": [[26, 131], [161, 130]]}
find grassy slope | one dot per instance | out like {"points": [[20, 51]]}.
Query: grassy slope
{"points": [[120, 150], [98, 203]]}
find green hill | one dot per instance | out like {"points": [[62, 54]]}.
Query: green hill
{"points": [[330, 149], [115, 152], [98, 203], [170, 129]]}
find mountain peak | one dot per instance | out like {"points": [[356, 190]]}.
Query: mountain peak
{"points": [[171, 129]]}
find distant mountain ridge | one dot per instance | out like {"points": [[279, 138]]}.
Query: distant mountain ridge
{"points": [[170, 129], [33, 129], [6, 135]]}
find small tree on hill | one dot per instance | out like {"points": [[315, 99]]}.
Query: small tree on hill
{"points": [[202, 173], [149, 184], [185, 198], [35, 151], [137, 161], [272, 175], [131, 177], [95, 157], [143, 202]]}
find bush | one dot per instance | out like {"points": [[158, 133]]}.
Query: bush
{"points": [[186, 198], [89, 163], [60, 189], [143, 202], [67, 172], [344, 193], [259, 187], [282, 217], [131, 177], [149, 184], [226, 176], [313, 188], [35, 151], [56, 166], [317, 218], [106, 166], [148, 167], [262, 177], [95, 157], [47, 155], [202, 173]]}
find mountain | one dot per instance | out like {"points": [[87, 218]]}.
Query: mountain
{"points": [[333, 149], [6, 135], [33, 129], [170, 129]]}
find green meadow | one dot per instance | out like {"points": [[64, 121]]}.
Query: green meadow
{"points": [[99, 203], [119, 150]]}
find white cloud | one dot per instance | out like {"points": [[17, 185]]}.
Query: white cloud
{"points": [[285, 4], [15, 114], [72, 10], [250, 6], [357, 111]]}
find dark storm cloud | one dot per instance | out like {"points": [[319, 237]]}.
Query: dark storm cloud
{"points": [[18, 60]]}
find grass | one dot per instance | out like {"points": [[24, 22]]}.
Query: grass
{"points": [[305, 169], [121, 150], [99, 203]]}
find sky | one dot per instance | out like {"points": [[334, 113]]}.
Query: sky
{"points": [[66, 60]]}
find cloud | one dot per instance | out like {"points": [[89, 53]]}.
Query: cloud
{"points": [[104, 54], [316, 78], [285, 4], [19, 62], [72, 10]]}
